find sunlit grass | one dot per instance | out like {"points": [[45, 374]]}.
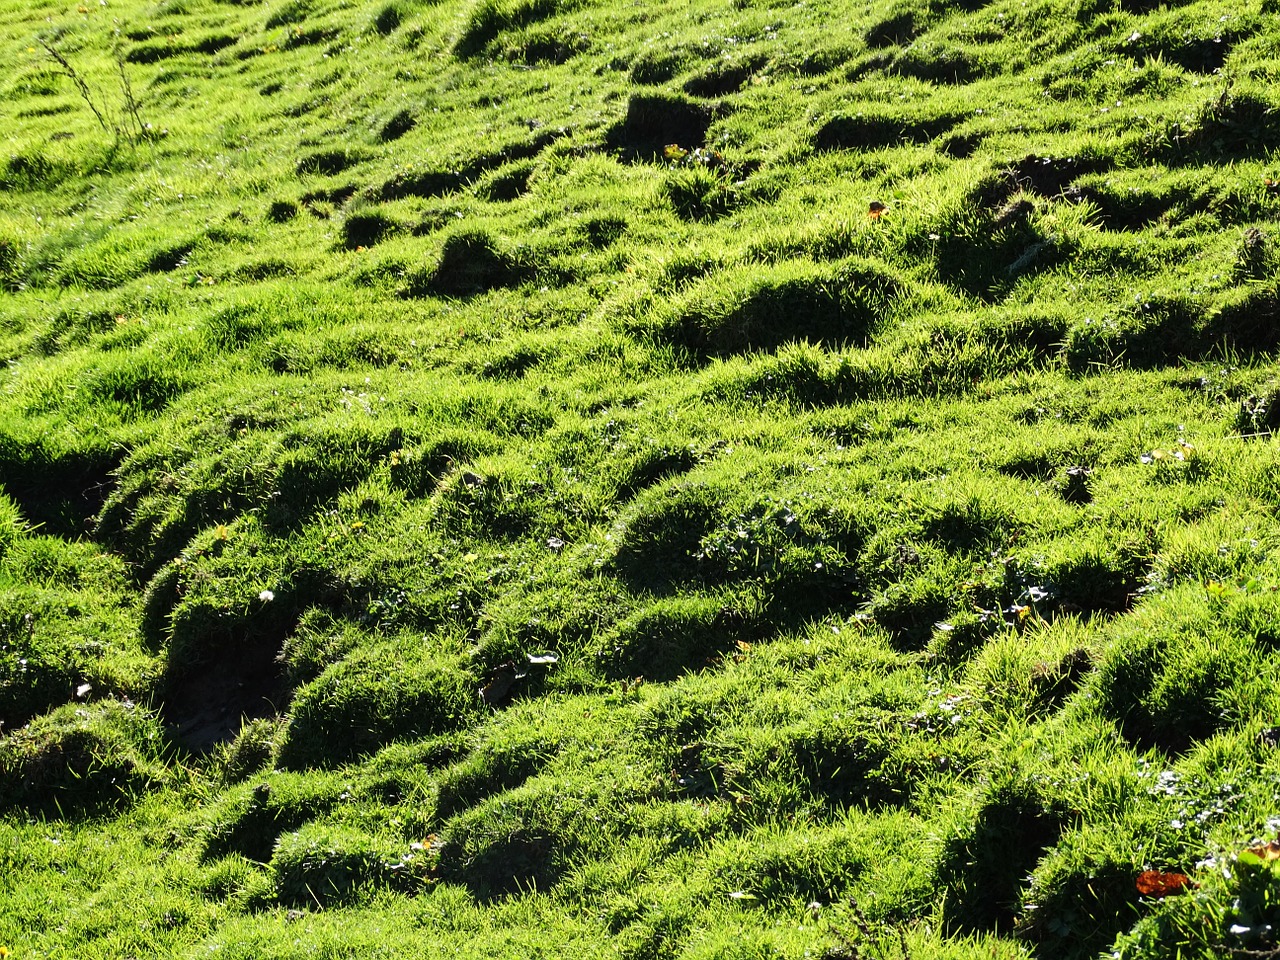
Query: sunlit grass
{"points": [[698, 480]]}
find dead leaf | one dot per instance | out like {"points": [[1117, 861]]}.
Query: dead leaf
{"points": [[1265, 851], [1158, 883]]}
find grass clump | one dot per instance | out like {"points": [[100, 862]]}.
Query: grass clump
{"points": [[323, 864], [251, 819], [762, 308], [398, 690], [471, 263], [491, 18], [83, 760]]}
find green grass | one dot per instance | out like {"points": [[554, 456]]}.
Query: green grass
{"points": [[736, 480]]}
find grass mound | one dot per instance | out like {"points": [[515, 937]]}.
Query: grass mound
{"points": [[80, 761], [764, 307], [374, 696]]}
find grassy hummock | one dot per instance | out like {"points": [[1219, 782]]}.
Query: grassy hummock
{"points": [[720, 479]]}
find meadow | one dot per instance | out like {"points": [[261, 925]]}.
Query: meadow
{"points": [[715, 479]]}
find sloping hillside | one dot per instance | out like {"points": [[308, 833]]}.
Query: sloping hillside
{"points": [[523, 478]]}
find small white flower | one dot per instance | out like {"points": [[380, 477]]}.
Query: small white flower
{"points": [[267, 595]]}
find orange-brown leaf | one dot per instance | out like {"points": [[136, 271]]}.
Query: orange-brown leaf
{"points": [[1158, 883]]}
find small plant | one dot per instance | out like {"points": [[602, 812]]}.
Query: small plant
{"points": [[703, 185], [866, 939], [1259, 415]]}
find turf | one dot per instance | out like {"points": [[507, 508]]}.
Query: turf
{"points": [[712, 479]]}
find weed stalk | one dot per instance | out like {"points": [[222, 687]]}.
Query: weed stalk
{"points": [[78, 80], [132, 129], [131, 106]]}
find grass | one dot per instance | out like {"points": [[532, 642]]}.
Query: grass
{"points": [[705, 480]]}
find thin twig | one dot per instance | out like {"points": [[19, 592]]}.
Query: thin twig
{"points": [[83, 87], [1266, 953], [130, 101]]}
